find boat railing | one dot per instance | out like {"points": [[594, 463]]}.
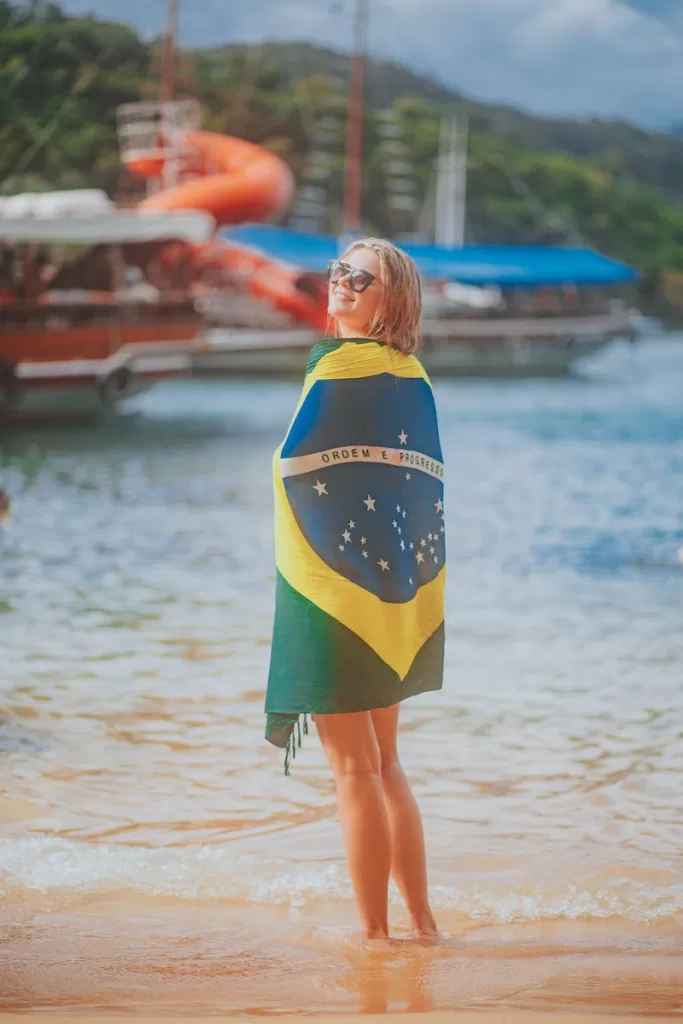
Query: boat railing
{"points": [[526, 312], [59, 313]]}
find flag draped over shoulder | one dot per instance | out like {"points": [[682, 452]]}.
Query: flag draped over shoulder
{"points": [[359, 539]]}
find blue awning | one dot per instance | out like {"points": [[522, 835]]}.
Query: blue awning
{"points": [[507, 266]]}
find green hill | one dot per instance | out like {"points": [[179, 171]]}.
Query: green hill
{"points": [[632, 154], [609, 185]]}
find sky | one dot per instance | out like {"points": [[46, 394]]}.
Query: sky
{"points": [[567, 58]]}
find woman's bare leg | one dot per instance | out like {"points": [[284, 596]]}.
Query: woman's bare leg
{"points": [[352, 749], [408, 860]]}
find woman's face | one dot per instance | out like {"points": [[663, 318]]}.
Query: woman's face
{"points": [[355, 310]]}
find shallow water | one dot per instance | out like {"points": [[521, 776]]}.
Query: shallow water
{"points": [[141, 807]]}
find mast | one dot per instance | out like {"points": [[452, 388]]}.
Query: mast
{"points": [[451, 188], [168, 72], [353, 170]]}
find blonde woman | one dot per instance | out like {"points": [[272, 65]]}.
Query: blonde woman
{"points": [[359, 524]]}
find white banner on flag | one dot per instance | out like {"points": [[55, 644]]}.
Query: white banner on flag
{"points": [[362, 453]]}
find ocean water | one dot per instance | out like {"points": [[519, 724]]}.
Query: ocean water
{"points": [[145, 818]]}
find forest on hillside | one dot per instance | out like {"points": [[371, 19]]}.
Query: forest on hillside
{"points": [[530, 180]]}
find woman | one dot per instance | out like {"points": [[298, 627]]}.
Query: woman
{"points": [[360, 568]]}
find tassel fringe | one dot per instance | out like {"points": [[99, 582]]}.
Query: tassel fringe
{"points": [[294, 741]]}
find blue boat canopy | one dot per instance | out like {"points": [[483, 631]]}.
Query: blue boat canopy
{"points": [[507, 266]]}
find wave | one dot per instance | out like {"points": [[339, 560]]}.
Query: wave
{"points": [[65, 871]]}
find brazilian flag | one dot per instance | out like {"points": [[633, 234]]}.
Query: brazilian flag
{"points": [[359, 540]]}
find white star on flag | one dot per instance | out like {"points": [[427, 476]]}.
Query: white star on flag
{"points": [[364, 540], [407, 476], [420, 557], [431, 551], [384, 566], [442, 530], [403, 437], [410, 580], [365, 554], [320, 488], [394, 523], [341, 547], [436, 559], [403, 545], [352, 525], [439, 506], [411, 545], [398, 508], [423, 542], [403, 513], [370, 503], [429, 536], [347, 537]]}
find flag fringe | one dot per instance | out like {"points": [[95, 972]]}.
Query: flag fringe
{"points": [[294, 741]]}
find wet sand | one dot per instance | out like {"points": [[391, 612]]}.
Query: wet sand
{"points": [[135, 961], [454, 1017]]}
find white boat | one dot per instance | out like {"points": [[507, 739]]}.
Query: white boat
{"points": [[491, 310], [488, 310]]}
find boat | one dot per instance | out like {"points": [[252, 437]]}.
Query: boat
{"points": [[96, 304], [504, 311]]}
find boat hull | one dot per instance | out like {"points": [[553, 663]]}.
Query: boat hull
{"points": [[80, 372], [467, 347]]}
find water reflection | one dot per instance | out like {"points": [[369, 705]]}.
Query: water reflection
{"points": [[393, 977]]}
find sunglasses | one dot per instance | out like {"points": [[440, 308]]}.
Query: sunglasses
{"points": [[359, 279]]}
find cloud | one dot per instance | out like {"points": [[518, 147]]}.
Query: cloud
{"points": [[608, 58]]}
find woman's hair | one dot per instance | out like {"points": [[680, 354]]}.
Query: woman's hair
{"points": [[398, 318]]}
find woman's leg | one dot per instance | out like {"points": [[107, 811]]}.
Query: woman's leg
{"points": [[351, 747], [408, 861]]}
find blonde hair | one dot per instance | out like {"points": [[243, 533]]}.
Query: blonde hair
{"points": [[398, 318]]}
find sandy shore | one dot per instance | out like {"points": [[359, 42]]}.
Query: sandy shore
{"points": [[483, 985], [164, 958], [441, 1017]]}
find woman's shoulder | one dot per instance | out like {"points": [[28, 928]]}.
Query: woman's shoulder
{"points": [[340, 354], [347, 350], [322, 348]]}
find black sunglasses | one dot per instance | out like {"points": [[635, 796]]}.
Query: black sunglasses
{"points": [[359, 279]]}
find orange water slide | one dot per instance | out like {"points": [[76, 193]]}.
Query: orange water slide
{"points": [[237, 182]]}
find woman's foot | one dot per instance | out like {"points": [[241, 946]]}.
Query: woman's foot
{"points": [[429, 939], [425, 927]]}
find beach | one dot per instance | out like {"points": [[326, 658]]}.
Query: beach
{"points": [[154, 859], [142, 957]]}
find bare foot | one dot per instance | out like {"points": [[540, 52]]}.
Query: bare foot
{"points": [[370, 939], [430, 938], [426, 931]]}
